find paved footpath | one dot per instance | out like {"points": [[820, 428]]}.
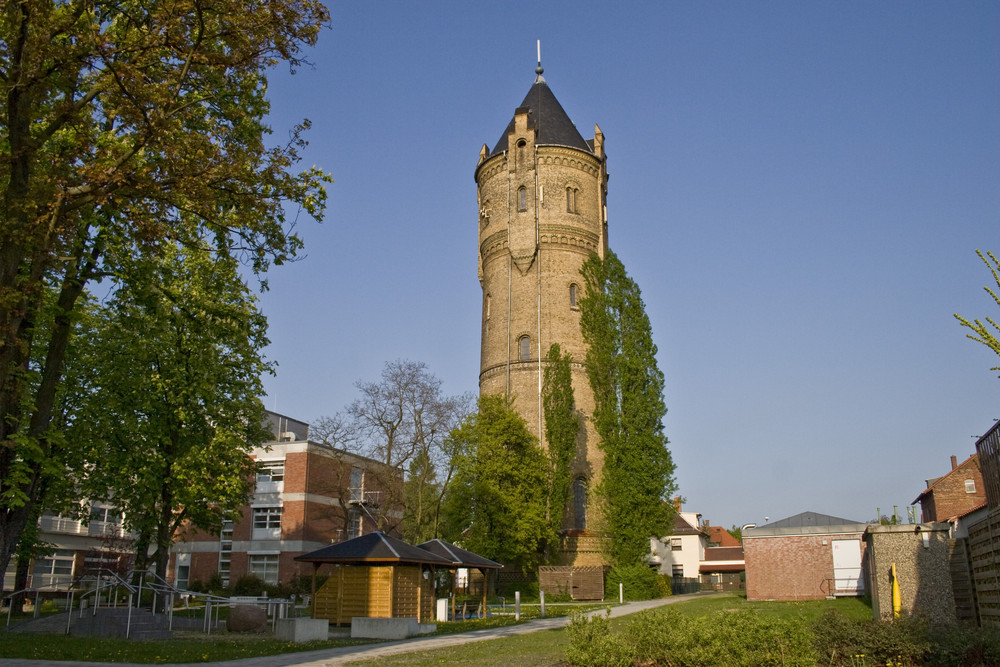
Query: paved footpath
{"points": [[338, 657]]}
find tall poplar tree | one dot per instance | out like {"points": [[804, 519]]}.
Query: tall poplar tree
{"points": [[637, 477], [562, 426]]}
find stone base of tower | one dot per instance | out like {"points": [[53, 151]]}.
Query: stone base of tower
{"points": [[582, 548]]}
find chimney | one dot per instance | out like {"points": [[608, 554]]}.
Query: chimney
{"points": [[677, 504], [954, 462]]}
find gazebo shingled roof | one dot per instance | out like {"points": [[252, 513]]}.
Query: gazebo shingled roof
{"points": [[372, 548], [458, 556]]}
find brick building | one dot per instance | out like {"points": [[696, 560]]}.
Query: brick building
{"points": [[955, 493], [307, 495], [808, 556], [78, 547], [542, 192]]}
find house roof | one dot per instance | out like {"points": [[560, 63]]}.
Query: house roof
{"points": [[720, 535], [551, 123], [373, 548], [934, 481], [806, 523], [457, 555], [684, 527]]}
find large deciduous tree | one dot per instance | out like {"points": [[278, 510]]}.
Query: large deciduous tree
{"points": [[496, 505], [988, 332], [637, 476], [125, 126], [172, 409]]}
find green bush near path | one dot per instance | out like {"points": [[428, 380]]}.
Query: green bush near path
{"points": [[729, 632]]}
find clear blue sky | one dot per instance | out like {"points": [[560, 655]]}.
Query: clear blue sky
{"points": [[798, 188]]}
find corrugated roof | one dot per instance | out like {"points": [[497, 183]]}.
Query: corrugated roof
{"points": [[551, 123], [374, 547], [457, 555]]}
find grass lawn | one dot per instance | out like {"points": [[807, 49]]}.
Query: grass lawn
{"points": [[188, 648]]}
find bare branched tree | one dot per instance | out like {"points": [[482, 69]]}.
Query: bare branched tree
{"points": [[398, 424]]}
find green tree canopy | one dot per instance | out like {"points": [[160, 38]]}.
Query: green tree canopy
{"points": [[988, 332], [637, 476], [496, 505], [127, 126], [172, 410]]}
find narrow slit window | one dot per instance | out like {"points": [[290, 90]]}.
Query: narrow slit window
{"points": [[569, 200], [572, 295], [580, 504], [522, 199], [524, 348]]}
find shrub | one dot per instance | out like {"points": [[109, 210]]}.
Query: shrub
{"points": [[640, 582], [838, 639], [248, 585], [668, 638]]}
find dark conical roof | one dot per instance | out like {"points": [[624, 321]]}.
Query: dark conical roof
{"points": [[374, 547], [457, 555], [546, 115]]}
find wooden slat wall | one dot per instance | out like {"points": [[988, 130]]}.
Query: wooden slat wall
{"points": [[961, 580], [984, 546], [375, 592]]}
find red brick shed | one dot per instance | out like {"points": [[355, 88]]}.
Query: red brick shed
{"points": [[808, 556]]}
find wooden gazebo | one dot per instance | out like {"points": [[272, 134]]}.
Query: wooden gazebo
{"points": [[459, 557], [375, 576]]}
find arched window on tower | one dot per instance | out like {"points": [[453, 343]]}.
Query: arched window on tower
{"points": [[521, 164], [580, 504], [486, 306], [572, 295], [524, 348], [522, 199], [571, 193]]}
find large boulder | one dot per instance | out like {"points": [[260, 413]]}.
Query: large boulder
{"points": [[246, 618]]}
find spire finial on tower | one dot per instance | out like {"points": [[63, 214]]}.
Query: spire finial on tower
{"points": [[539, 70]]}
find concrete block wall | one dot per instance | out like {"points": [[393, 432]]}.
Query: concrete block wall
{"points": [[921, 555]]}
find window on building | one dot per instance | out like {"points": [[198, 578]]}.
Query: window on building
{"points": [[571, 194], [524, 348], [265, 566], [521, 163], [267, 518], [487, 306], [677, 571], [354, 524], [522, 199], [225, 551], [357, 484], [182, 576], [105, 514], [572, 295], [675, 544], [270, 471], [580, 503], [970, 486], [59, 562]]}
